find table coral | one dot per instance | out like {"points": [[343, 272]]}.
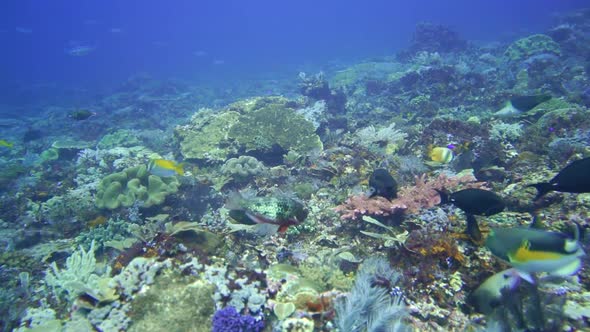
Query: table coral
{"points": [[263, 129]]}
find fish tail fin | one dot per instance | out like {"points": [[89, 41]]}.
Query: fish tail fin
{"points": [[180, 169], [234, 201], [472, 228], [444, 196], [542, 189]]}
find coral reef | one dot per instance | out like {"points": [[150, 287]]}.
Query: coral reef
{"points": [[527, 47], [93, 241]]}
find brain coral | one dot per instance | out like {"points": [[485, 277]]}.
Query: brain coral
{"points": [[134, 184]]}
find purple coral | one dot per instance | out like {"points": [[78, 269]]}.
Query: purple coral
{"points": [[229, 320]]}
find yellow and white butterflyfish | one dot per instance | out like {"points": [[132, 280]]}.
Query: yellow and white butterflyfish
{"points": [[441, 155], [165, 168]]}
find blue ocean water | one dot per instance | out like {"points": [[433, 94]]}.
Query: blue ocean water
{"points": [[216, 41]]}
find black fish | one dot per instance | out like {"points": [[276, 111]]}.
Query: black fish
{"points": [[527, 103], [32, 135], [382, 184], [80, 115], [574, 178], [474, 202]]}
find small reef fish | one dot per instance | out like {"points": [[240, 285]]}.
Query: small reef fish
{"points": [[99, 220], [488, 295], [381, 183], [279, 211], [532, 250], [441, 155], [474, 202], [6, 143], [80, 115], [574, 178], [165, 168], [521, 104], [80, 50]]}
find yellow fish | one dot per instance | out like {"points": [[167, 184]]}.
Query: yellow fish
{"points": [[6, 143], [165, 168], [441, 155], [532, 250]]}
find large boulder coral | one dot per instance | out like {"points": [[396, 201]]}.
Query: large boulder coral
{"points": [[258, 126], [134, 184], [534, 45]]}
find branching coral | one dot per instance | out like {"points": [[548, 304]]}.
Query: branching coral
{"points": [[77, 275]]}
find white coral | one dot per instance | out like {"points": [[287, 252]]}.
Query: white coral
{"points": [[76, 276]]}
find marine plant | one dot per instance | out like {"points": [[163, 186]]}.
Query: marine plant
{"points": [[369, 306], [391, 238]]}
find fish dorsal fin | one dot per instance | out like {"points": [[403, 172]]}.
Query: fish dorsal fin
{"points": [[572, 245]]}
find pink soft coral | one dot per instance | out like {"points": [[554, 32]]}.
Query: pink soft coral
{"points": [[361, 205], [423, 194]]}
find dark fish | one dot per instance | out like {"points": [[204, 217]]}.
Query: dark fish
{"points": [[32, 135], [382, 184], [474, 202], [519, 105], [527, 103], [574, 178], [80, 115]]}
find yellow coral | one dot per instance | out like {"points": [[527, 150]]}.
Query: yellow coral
{"points": [[456, 282]]}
